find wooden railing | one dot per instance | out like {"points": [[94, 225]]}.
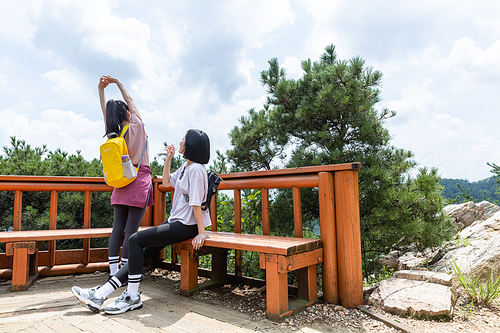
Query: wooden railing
{"points": [[338, 208]]}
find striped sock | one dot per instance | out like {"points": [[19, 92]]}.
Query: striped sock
{"points": [[108, 288], [124, 261], [113, 265], [133, 285]]}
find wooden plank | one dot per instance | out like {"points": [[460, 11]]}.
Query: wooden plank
{"points": [[301, 170], [259, 243], [328, 236], [350, 274], [300, 260], [58, 234]]}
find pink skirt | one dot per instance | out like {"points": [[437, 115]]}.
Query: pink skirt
{"points": [[136, 193]]}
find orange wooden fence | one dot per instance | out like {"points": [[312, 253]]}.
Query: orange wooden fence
{"points": [[338, 207]]}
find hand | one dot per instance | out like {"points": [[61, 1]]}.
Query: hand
{"points": [[111, 79], [103, 82], [198, 241], [167, 153]]}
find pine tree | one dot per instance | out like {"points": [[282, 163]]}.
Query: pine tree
{"points": [[326, 117]]}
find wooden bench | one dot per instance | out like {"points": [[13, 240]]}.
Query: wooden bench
{"points": [[24, 245], [278, 256]]}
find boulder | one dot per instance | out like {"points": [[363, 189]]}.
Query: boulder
{"points": [[467, 213], [416, 293]]}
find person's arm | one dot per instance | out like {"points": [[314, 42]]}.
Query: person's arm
{"points": [[103, 83], [126, 96], [199, 240], [170, 150]]}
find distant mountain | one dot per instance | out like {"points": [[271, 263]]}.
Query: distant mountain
{"points": [[476, 189]]}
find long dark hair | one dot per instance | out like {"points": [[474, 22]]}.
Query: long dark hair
{"points": [[116, 113], [197, 146]]}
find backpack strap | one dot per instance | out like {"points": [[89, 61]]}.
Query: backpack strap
{"points": [[143, 151], [124, 131]]}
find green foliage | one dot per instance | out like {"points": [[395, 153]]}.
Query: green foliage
{"points": [[22, 159], [478, 291], [384, 274], [495, 169], [327, 117], [462, 190]]}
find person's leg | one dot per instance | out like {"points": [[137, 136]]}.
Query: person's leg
{"points": [[134, 219], [142, 246], [119, 223], [153, 240]]}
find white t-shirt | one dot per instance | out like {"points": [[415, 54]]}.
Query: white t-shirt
{"points": [[192, 186]]}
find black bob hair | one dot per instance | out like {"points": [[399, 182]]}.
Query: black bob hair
{"points": [[116, 113], [197, 146]]}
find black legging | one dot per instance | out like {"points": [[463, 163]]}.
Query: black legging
{"points": [[144, 244], [126, 219]]}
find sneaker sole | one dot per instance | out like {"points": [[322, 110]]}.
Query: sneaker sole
{"points": [[89, 306], [135, 307]]}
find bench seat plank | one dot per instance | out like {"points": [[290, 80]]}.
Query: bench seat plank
{"points": [[261, 243], [58, 234]]}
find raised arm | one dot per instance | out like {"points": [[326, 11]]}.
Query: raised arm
{"points": [[170, 150], [103, 83], [126, 96]]}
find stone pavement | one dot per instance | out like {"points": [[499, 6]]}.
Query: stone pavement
{"points": [[49, 306]]}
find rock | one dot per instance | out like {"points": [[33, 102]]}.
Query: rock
{"points": [[416, 296], [480, 250], [432, 277], [467, 213]]}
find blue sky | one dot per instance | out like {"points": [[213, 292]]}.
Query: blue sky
{"points": [[196, 64]]}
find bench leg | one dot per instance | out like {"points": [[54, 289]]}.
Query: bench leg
{"points": [[24, 264], [276, 291], [308, 288], [219, 266], [189, 272]]}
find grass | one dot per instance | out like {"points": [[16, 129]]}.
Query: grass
{"points": [[481, 293]]}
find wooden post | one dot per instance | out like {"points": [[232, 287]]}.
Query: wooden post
{"points": [[86, 225], [159, 206], [276, 287], [189, 272], [238, 257], [213, 213], [350, 274], [18, 210], [264, 194], [297, 212], [328, 237], [52, 226]]}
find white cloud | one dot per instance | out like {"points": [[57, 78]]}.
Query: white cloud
{"points": [[293, 68], [57, 129], [15, 25], [266, 17], [65, 81]]}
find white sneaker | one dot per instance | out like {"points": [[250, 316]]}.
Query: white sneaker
{"points": [[123, 304], [86, 297]]}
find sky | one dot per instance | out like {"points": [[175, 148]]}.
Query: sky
{"points": [[197, 64]]}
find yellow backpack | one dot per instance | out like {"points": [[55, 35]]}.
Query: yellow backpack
{"points": [[116, 166]]}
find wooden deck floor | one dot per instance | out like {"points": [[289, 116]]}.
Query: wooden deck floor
{"points": [[49, 306]]}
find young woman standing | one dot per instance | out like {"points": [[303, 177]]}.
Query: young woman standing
{"points": [[129, 202], [187, 220]]}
